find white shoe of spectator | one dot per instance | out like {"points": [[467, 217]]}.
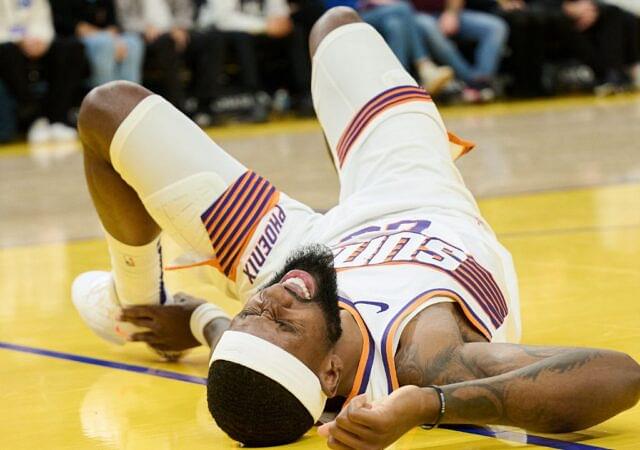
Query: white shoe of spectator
{"points": [[61, 132], [39, 132], [434, 78]]}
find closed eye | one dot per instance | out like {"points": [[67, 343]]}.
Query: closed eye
{"points": [[282, 324], [286, 326], [247, 312]]}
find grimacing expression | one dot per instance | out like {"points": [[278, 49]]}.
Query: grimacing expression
{"points": [[298, 309]]}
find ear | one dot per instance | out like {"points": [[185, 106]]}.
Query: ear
{"points": [[330, 374]]}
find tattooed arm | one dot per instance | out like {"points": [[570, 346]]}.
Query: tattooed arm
{"points": [[564, 390], [548, 389], [570, 389]]}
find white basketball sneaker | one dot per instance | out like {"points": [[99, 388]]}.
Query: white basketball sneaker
{"points": [[94, 296]]}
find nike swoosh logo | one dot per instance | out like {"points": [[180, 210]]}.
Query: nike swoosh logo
{"points": [[383, 306]]}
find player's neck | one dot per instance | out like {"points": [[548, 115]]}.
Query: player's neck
{"points": [[349, 348]]}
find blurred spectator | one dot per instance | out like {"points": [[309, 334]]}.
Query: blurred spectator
{"points": [[442, 20], [258, 27], [610, 44], [396, 21], [27, 38], [172, 43], [7, 115], [531, 28], [113, 55]]}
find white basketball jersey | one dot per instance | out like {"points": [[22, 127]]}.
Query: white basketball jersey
{"points": [[390, 270]]}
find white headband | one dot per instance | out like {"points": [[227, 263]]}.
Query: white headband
{"points": [[275, 363]]}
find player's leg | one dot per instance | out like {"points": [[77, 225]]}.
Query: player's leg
{"points": [[150, 168], [143, 158], [384, 131], [131, 233]]}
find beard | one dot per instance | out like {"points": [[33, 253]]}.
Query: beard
{"points": [[317, 260]]}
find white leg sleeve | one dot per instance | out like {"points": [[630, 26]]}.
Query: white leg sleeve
{"points": [[175, 168]]}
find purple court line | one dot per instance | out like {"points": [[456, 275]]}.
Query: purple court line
{"points": [[525, 438], [104, 363]]}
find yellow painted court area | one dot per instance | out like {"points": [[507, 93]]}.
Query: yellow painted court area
{"points": [[576, 252], [576, 256]]}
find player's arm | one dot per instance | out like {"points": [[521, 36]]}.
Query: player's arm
{"points": [[538, 388], [541, 388]]}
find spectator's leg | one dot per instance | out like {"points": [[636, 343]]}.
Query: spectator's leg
{"points": [[608, 36], [527, 42], [165, 61], [7, 115], [206, 52], [632, 49], [442, 48], [490, 32], [130, 69], [392, 26], [245, 48], [631, 26], [65, 63], [299, 61], [570, 43], [100, 49], [306, 13], [13, 71]]}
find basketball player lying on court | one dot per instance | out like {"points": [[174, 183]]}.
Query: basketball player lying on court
{"points": [[399, 300]]}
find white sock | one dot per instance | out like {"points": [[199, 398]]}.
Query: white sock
{"points": [[137, 272]]}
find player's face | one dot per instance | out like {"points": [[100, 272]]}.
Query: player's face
{"points": [[298, 309]]}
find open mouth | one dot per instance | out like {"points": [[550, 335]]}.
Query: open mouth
{"points": [[300, 282]]}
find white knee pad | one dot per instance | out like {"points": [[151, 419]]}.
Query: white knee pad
{"points": [[175, 168]]}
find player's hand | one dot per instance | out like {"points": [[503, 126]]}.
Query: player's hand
{"points": [[33, 47], [168, 324], [372, 426], [181, 38], [449, 23], [278, 27]]}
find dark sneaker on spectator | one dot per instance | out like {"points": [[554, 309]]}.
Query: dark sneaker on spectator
{"points": [[303, 106], [614, 83], [258, 114]]}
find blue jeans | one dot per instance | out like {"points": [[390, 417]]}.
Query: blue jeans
{"points": [[489, 31], [396, 23], [100, 48]]}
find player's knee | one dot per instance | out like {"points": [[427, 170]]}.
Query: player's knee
{"points": [[103, 110], [330, 20]]}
